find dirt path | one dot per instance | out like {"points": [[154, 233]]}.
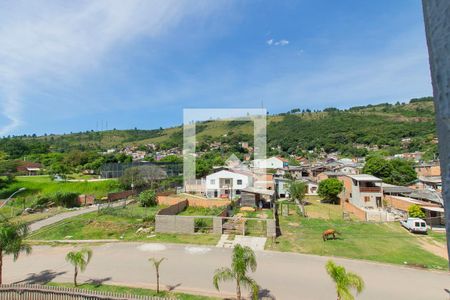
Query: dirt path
{"points": [[433, 246]]}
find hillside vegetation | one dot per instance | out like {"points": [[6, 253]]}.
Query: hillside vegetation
{"points": [[296, 132]]}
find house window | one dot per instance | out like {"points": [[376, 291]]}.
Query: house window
{"points": [[227, 181], [366, 199], [212, 181], [239, 181]]}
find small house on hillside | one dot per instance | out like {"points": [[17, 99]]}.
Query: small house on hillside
{"points": [[29, 168]]}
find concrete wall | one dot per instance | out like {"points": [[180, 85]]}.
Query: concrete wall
{"points": [[174, 224], [437, 27]]}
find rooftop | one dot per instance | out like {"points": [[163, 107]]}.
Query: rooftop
{"points": [[364, 177]]}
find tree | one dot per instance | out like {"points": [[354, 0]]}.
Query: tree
{"points": [[142, 176], [80, 260], [414, 211], [377, 166], [243, 260], [147, 198], [297, 191], [396, 171], [156, 264], [330, 188], [344, 281], [12, 236]]}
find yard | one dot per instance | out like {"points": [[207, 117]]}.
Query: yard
{"points": [[387, 242], [117, 223], [44, 186]]}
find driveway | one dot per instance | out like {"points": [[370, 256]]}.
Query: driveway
{"points": [[62, 216], [190, 269]]}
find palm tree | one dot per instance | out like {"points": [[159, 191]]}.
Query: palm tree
{"points": [[243, 259], [12, 237], [156, 263], [297, 191], [344, 281], [80, 260]]}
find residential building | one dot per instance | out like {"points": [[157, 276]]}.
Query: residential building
{"points": [[270, 163], [227, 183], [432, 169], [363, 190]]}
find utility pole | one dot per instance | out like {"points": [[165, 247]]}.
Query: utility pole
{"points": [[437, 28]]}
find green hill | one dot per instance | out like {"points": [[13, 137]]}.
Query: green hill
{"points": [[297, 132]]}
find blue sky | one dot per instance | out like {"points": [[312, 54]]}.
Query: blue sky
{"points": [[75, 65]]}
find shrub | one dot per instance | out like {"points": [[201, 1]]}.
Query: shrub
{"points": [[66, 199], [201, 225], [42, 201], [414, 211], [147, 198]]}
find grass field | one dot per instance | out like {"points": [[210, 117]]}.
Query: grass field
{"points": [[132, 291], [44, 185], [120, 224], [386, 242]]}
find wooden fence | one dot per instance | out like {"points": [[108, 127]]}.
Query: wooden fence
{"points": [[41, 292]]}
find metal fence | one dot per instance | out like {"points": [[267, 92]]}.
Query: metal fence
{"points": [[41, 292], [116, 170]]}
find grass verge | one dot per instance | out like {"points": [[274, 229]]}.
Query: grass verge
{"points": [[131, 291]]}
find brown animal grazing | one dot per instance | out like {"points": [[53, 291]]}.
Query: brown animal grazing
{"points": [[329, 232]]}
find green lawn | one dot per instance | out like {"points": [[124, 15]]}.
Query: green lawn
{"points": [[44, 185], [132, 291], [386, 242], [202, 211]]}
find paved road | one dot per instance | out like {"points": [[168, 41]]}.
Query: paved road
{"points": [[62, 216], [190, 268]]}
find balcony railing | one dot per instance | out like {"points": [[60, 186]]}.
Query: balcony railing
{"points": [[372, 189]]}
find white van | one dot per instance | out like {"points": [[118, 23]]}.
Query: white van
{"points": [[415, 225]]}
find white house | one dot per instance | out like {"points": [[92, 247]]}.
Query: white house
{"points": [[227, 184], [270, 163]]}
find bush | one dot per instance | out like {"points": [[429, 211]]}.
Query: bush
{"points": [[414, 211], [42, 201], [201, 225], [147, 198], [66, 199]]}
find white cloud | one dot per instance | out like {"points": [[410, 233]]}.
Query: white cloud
{"points": [[47, 43], [273, 42], [281, 43]]}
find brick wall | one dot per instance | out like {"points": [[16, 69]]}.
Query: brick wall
{"points": [[193, 201], [397, 203], [357, 212], [86, 199], [119, 195], [174, 208]]}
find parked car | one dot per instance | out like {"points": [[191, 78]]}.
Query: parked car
{"points": [[415, 225]]}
